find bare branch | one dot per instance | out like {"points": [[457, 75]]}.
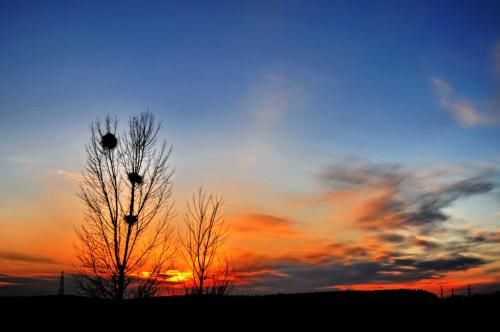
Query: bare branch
{"points": [[204, 234], [126, 189]]}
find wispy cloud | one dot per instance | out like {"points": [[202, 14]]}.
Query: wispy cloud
{"points": [[268, 103], [260, 223], [72, 176], [463, 110], [26, 258], [271, 99], [390, 196], [272, 107]]}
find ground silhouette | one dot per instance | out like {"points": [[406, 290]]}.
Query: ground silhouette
{"points": [[336, 301]]}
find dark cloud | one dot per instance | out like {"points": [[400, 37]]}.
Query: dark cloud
{"points": [[470, 241], [20, 257], [361, 175], [308, 277], [429, 205], [426, 208], [478, 237], [457, 263], [391, 238], [405, 200], [305, 277], [426, 244], [404, 262], [447, 241]]}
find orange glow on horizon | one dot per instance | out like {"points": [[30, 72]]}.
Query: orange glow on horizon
{"points": [[259, 240], [458, 283], [176, 276], [171, 276]]}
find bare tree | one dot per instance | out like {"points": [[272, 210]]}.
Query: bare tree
{"points": [[204, 235], [125, 240], [222, 281]]}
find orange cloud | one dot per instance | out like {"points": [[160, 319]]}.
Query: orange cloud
{"points": [[260, 223]]}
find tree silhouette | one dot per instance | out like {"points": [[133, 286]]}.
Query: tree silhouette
{"points": [[125, 239], [204, 235]]}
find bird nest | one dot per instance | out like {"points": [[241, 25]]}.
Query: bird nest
{"points": [[109, 141], [134, 178], [130, 219]]}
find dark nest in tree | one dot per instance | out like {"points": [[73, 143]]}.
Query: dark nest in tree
{"points": [[134, 178], [109, 141], [130, 219]]}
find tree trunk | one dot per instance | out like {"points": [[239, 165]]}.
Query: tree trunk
{"points": [[202, 279], [121, 284]]}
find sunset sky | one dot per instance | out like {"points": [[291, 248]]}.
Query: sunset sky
{"points": [[356, 143]]}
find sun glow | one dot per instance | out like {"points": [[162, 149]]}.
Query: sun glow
{"points": [[177, 276], [173, 276]]}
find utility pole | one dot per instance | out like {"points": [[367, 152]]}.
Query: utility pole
{"points": [[61, 284], [452, 292], [442, 293]]}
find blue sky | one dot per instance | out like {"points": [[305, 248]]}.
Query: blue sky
{"points": [[364, 69], [256, 97]]}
